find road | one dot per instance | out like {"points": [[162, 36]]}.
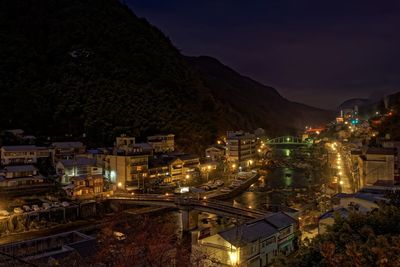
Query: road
{"points": [[339, 162]]}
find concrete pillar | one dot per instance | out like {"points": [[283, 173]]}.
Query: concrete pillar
{"points": [[189, 219]]}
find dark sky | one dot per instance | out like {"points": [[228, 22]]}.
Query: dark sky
{"points": [[318, 52]]}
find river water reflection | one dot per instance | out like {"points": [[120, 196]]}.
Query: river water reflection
{"points": [[273, 189]]}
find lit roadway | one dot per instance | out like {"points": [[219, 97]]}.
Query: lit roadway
{"points": [[339, 162]]}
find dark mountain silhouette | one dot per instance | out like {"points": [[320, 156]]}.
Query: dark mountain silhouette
{"points": [[92, 69], [249, 104]]}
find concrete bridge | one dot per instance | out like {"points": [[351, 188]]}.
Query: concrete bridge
{"points": [[190, 207]]}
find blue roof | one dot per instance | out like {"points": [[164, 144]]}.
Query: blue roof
{"points": [[343, 212]]}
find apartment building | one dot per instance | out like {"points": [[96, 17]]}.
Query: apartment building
{"points": [[79, 166], [377, 165], [216, 152], [67, 150], [19, 155], [20, 176], [127, 170], [241, 148], [162, 143], [86, 185]]}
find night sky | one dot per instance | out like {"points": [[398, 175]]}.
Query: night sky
{"points": [[317, 52]]}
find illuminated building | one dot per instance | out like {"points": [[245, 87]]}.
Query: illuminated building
{"points": [[241, 148], [13, 155], [162, 143], [254, 243]]}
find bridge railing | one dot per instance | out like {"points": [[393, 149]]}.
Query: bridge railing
{"points": [[189, 201]]}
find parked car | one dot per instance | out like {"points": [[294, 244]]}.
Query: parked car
{"points": [[64, 204], [26, 208], [213, 186], [55, 204], [18, 210], [119, 235], [225, 190], [46, 206], [35, 207], [219, 182]]}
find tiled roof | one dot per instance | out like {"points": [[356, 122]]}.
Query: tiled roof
{"points": [[248, 232], [381, 150], [343, 212], [280, 220], [78, 162], [20, 148], [67, 144], [20, 168]]}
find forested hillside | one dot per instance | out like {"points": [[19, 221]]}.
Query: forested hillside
{"points": [[92, 68]]}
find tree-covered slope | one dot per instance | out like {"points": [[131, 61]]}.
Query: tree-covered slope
{"points": [[92, 68], [249, 104]]}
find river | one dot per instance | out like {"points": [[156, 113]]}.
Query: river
{"points": [[274, 189]]}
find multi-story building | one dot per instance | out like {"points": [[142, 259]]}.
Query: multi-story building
{"points": [[241, 148], [19, 155], [124, 142], [181, 165], [159, 170], [79, 166], [87, 185], [162, 143], [377, 166], [127, 170], [216, 152], [20, 176], [67, 150], [254, 243]]}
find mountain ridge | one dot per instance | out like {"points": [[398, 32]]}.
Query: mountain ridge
{"points": [[93, 68]]}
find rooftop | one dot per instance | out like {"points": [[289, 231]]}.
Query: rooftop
{"points": [[20, 168], [67, 144], [342, 212], [22, 148], [80, 161], [363, 195], [381, 150], [280, 220], [248, 232]]}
